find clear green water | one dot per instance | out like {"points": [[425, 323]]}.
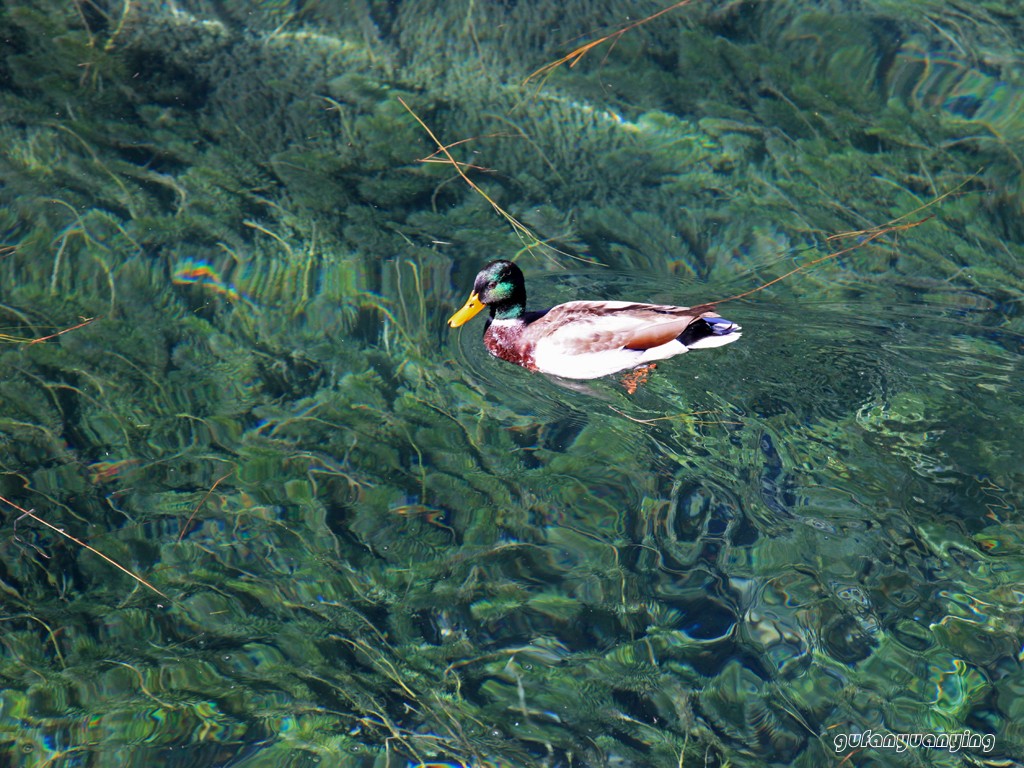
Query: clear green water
{"points": [[376, 546]]}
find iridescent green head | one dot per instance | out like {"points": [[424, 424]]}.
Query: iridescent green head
{"points": [[500, 286]]}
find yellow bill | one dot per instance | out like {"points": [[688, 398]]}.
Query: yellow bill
{"points": [[469, 310]]}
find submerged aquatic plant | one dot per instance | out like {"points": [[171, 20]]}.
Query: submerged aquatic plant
{"points": [[377, 548], [33, 516]]}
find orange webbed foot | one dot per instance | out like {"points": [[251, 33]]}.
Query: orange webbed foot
{"points": [[632, 381]]}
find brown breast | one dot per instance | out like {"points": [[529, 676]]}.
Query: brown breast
{"points": [[506, 342]]}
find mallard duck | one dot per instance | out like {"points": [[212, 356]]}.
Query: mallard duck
{"points": [[585, 339]]}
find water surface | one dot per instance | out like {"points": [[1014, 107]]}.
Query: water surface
{"points": [[365, 542]]}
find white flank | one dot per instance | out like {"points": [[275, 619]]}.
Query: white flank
{"points": [[553, 358]]}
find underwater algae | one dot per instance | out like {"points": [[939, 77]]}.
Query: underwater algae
{"points": [[382, 550]]}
